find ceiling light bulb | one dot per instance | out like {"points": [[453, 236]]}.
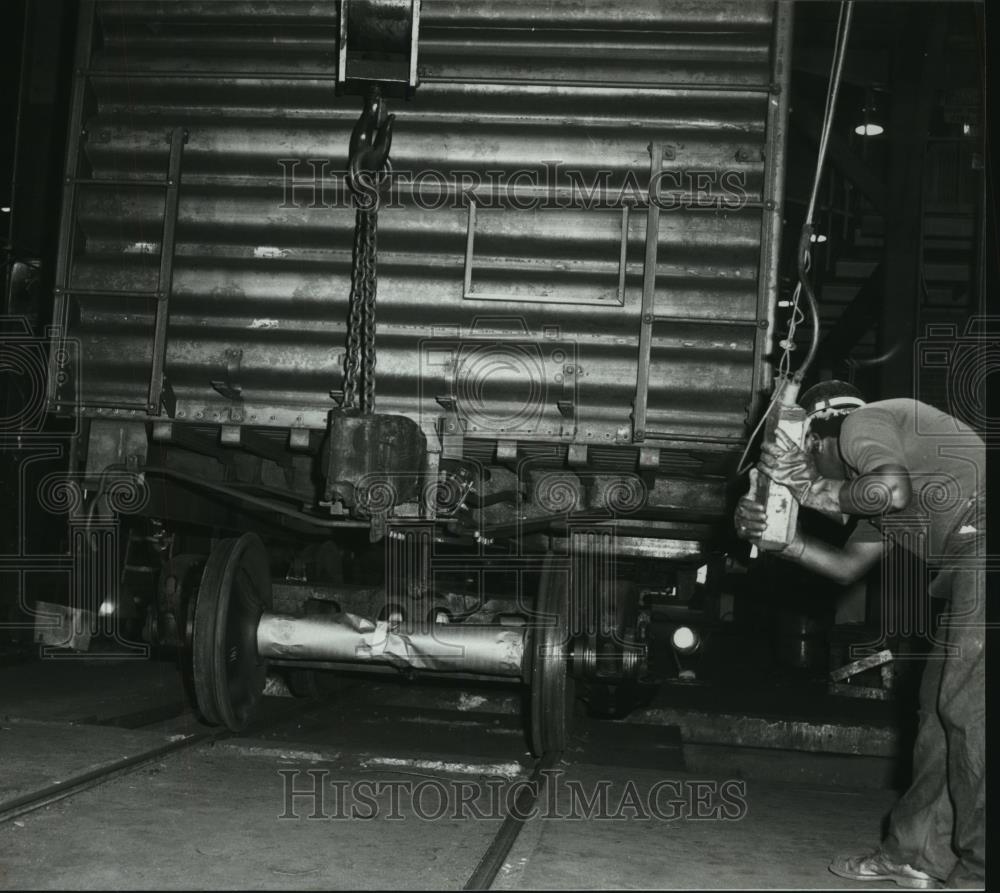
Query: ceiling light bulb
{"points": [[869, 130]]}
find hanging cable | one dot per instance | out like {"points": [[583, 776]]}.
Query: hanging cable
{"points": [[787, 384], [808, 229], [832, 91]]}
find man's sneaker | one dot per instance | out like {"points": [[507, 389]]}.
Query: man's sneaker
{"points": [[876, 867]]}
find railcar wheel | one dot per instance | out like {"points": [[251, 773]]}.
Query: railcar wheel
{"points": [[229, 675], [552, 688]]}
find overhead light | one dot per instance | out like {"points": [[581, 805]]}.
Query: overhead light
{"points": [[966, 129], [869, 130], [5, 209], [818, 238], [685, 640], [871, 116]]}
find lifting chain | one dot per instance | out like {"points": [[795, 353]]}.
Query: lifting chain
{"points": [[368, 173]]}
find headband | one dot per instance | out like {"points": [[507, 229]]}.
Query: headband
{"points": [[834, 406]]}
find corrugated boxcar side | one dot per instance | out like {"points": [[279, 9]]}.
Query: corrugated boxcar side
{"points": [[506, 87]]}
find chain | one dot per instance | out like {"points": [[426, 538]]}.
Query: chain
{"points": [[352, 361], [369, 165], [371, 280]]}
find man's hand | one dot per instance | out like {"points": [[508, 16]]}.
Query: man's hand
{"points": [[785, 463], [751, 521]]}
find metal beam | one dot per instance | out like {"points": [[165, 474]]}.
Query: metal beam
{"points": [[858, 317]]}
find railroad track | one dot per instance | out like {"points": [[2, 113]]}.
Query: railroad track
{"points": [[85, 781], [503, 841], [137, 720], [487, 868]]}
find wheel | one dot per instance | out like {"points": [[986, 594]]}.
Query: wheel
{"points": [[187, 570], [229, 675], [552, 688]]}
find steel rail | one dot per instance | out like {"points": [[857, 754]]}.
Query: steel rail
{"points": [[77, 784], [85, 781], [496, 853]]}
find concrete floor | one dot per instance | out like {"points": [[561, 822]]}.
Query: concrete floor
{"points": [[211, 816]]}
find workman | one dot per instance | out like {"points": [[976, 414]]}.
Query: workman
{"points": [[901, 465]]}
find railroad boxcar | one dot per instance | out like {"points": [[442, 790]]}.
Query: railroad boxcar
{"points": [[465, 441]]}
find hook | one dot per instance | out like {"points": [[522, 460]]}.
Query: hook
{"points": [[371, 139]]}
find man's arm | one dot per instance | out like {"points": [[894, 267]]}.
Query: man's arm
{"points": [[843, 566], [886, 489]]}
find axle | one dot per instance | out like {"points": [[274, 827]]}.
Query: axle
{"points": [[491, 650]]}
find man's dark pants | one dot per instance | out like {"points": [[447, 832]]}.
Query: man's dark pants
{"points": [[939, 824]]}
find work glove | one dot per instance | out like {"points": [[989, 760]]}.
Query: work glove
{"points": [[785, 463], [751, 521]]}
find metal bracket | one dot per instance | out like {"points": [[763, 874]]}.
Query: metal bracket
{"points": [[300, 440], [507, 454], [451, 429], [649, 464], [567, 405], [229, 386], [649, 458], [168, 399]]}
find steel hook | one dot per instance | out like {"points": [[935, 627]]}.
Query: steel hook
{"points": [[371, 138]]}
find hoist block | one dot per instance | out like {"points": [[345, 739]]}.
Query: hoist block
{"points": [[782, 509], [373, 462], [379, 43]]}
